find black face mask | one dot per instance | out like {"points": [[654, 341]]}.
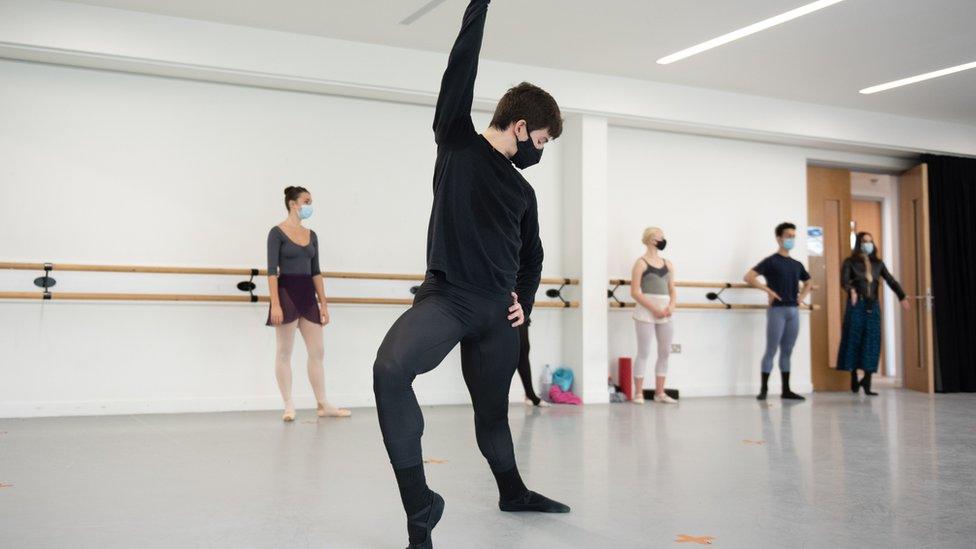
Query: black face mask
{"points": [[661, 244], [526, 155]]}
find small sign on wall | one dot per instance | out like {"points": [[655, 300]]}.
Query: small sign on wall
{"points": [[815, 245]]}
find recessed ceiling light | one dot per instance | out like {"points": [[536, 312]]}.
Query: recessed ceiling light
{"points": [[746, 31], [918, 78]]}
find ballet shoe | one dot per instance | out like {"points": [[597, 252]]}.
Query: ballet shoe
{"points": [[425, 520], [664, 398], [533, 502], [288, 416], [331, 411]]}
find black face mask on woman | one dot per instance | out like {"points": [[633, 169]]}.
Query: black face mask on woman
{"points": [[661, 244], [526, 155]]}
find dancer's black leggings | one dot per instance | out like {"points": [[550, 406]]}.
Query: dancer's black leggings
{"points": [[442, 316], [524, 368]]}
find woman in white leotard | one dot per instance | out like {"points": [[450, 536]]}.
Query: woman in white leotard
{"points": [[652, 287]]}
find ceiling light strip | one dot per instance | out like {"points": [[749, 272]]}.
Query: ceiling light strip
{"points": [[918, 78], [746, 31]]}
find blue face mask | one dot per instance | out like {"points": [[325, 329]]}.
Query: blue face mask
{"points": [[305, 211], [788, 243], [867, 247]]}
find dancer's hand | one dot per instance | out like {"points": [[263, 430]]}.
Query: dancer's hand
{"points": [[276, 315], [324, 315], [670, 309], [659, 313], [773, 296], [904, 304], [518, 315], [854, 297]]}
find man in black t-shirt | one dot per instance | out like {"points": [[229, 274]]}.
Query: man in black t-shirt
{"points": [[783, 276], [484, 262]]}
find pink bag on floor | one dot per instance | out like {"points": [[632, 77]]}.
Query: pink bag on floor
{"points": [[558, 396]]}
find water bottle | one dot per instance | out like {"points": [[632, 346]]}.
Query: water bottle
{"points": [[546, 382]]}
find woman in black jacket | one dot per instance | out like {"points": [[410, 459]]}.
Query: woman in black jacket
{"points": [[860, 344]]}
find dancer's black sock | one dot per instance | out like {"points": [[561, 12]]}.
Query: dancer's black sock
{"points": [[415, 496], [510, 485], [765, 387], [787, 393], [855, 384], [414, 492]]}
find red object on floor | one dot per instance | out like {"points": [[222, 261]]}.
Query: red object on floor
{"points": [[625, 376]]}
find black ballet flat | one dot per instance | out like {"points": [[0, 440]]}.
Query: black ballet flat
{"points": [[426, 519], [533, 502]]}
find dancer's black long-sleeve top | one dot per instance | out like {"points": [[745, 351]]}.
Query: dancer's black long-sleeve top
{"points": [[853, 276], [484, 224]]}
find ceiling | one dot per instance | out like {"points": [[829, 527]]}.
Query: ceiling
{"points": [[824, 58]]}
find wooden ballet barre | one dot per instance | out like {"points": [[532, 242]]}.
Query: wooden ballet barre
{"points": [[88, 296], [223, 271], [749, 306], [692, 284]]}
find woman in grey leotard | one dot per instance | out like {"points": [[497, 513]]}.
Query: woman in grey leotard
{"points": [[652, 287], [297, 292]]}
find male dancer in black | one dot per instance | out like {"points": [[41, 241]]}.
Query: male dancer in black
{"points": [[484, 262]]}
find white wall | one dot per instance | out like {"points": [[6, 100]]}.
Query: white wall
{"points": [[102, 167], [718, 201], [112, 167], [78, 34]]}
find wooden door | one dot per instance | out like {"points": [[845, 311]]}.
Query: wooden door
{"points": [[916, 276], [866, 216], [829, 207]]}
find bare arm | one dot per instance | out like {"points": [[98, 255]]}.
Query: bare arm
{"points": [[672, 289], [319, 281], [804, 291], [752, 278]]}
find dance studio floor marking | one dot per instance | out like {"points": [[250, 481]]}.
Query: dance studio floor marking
{"points": [[435, 461], [756, 442], [700, 540], [5, 485]]}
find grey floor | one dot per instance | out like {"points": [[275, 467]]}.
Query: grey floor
{"points": [[898, 470]]}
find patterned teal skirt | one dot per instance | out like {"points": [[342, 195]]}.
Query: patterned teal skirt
{"points": [[860, 343]]}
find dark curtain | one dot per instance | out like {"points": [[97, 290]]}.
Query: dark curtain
{"points": [[952, 211]]}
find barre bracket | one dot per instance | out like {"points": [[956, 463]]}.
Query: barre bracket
{"points": [[249, 286], [558, 293], [717, 296], [46, 281]]}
